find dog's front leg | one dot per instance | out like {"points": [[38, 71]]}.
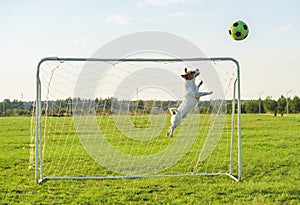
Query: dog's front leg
{"points": [[200, 94], [200, 83]]}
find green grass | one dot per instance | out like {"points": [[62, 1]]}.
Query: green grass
{"points": [[271, 158]]}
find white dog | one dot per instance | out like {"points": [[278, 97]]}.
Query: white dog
{"points": [[191, 98]]}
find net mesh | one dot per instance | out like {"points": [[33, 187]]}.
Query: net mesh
{"points": [[110, 118]]}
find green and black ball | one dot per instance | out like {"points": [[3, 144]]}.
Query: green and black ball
{"points": [[238, 30]]}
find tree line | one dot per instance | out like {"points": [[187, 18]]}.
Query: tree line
{"points": [[15, 108], [280, 106], [108, 106]]}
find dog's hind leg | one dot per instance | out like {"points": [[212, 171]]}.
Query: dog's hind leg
{"points": [[171, 131], [175, 120]]}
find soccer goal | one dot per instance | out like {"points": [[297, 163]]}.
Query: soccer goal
{"points": [[98, 118]]}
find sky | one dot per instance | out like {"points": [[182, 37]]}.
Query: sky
{"points": [[269, 56]]}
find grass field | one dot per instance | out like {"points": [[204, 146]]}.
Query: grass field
{"points": [[271, 158]]}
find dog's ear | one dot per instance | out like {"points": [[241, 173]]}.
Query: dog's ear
{"points": [[185, 70], [184, 76]]}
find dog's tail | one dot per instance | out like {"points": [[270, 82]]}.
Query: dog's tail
{"points": [[173, 111]]}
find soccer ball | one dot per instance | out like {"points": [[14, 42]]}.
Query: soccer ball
{"points": [[238, 30]]}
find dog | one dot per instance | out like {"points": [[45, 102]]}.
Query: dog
{"points": [[191, 99]]}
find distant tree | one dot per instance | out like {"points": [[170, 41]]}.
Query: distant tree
{"points": [[295, 105], [9, 112], [261, 106], [2, 108], [6, 104], [229, 107], [14, 108], [68, 106], [140, 105], [100, 106], [108, 104], [270, 105], [17, 105], [281, 105], [243, 108], [251, 106]]}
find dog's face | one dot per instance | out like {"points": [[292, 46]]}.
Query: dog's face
{"points": [[190, 75]]}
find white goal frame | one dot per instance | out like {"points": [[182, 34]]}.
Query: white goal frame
{"points": [[235, 126]]}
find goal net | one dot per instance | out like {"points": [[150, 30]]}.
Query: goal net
{"points": [[108, 118]]}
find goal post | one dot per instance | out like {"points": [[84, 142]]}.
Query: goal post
{"points": [[107, 118]]}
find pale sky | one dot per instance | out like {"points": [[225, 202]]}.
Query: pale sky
{"points": [[31, 30]]}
